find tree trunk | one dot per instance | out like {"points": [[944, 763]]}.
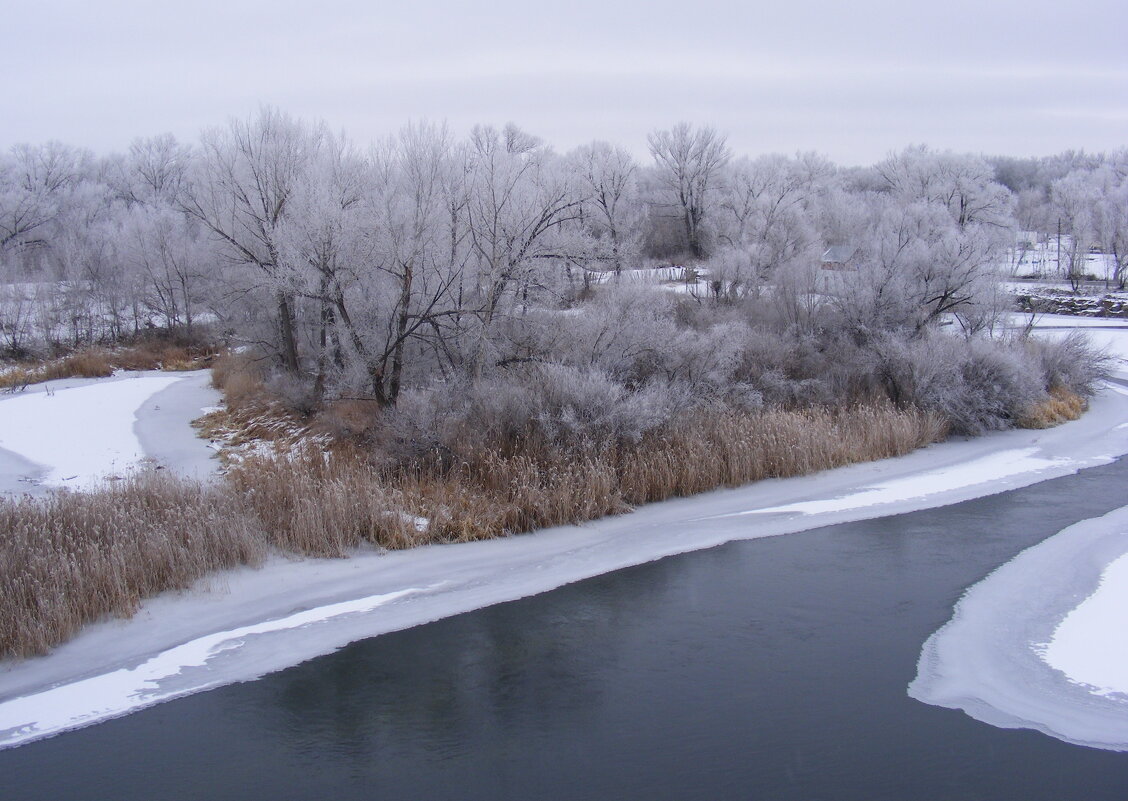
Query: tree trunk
{"points": [[286, 334]]}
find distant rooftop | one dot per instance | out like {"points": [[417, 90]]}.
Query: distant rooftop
{"points": [[839, 254]]}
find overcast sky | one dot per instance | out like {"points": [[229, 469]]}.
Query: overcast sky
{"points": [[850, 80]]}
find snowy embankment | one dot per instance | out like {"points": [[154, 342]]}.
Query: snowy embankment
{"points": [[246, 623], [76, 433]]}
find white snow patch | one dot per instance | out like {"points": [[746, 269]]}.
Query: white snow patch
{"points": [[992, 659], [89, 700], [997, 466], [1046, 320], [420, 524], [80, 434], [1090, 645]]}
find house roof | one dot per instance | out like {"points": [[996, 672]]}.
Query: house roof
{"points": [[839, 253]]}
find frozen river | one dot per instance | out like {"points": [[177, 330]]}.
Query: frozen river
{"points": [[771, 668]]}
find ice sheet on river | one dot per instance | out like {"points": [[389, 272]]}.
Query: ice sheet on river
{"points": [[74, 433], [1041, 642]]}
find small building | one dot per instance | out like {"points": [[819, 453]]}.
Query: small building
{"points": [[839, 258]]}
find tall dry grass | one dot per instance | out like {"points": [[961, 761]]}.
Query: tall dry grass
{"points": [[324, 506], [69, 559], [72, 558], [1060, 405]]}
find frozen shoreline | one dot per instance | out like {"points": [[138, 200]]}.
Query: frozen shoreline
{"points": [[1001, 658], [450, 579]]}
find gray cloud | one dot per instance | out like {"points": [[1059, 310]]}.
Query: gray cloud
{"points": [[850, 80]]}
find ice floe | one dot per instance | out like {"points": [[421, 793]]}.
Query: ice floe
{"points": [[1041, 642]]}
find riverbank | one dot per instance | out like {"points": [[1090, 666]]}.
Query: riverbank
{"points": [[215, 634]]}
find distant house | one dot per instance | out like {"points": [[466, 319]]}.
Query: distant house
{"points": [[836, 268], [840, 257]]}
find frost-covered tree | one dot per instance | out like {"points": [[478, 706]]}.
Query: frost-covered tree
{"points": [[417, 253], [1111, 227], [520, 210], [241, 189], [152, 172], [613, 211], [36, 185], [689, 162], [767, 217], [918, 265], [964, 184], [372, 233], [173, 260], [1075, 200]]}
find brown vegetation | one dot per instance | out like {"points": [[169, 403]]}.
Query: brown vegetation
{"points": [[146, 354], [1062, 405], [70, 559]]}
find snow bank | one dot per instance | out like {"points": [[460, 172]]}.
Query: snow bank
{"points": [[1021, 652], [1090, 646], [1046, 320], [996, 467]]}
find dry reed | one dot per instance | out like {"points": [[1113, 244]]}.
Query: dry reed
{"points": [[153, 354], [1062, 405], [69, 559]]}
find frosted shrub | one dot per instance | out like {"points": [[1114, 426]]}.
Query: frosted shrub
{"points": [[1000, 381], [625, 331], [706, 361], [778, 389], [744, 398], [566, 404], [976, 384], [1072, 362], [787, 370]]}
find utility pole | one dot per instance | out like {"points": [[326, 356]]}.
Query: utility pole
{"points": [[1059, 247]]}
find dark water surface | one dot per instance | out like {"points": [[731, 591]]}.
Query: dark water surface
{"points": [[772, 669]]}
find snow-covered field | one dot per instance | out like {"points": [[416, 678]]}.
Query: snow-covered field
{"points": [[1050, 259], [76, 433], [245, 623]]}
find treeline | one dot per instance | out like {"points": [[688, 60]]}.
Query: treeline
{"points": [[462, 324], [427, 262]]}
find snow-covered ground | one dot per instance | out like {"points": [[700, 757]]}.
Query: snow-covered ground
{"points": [[1067, 321], [1049, 258], [77, 432]]}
